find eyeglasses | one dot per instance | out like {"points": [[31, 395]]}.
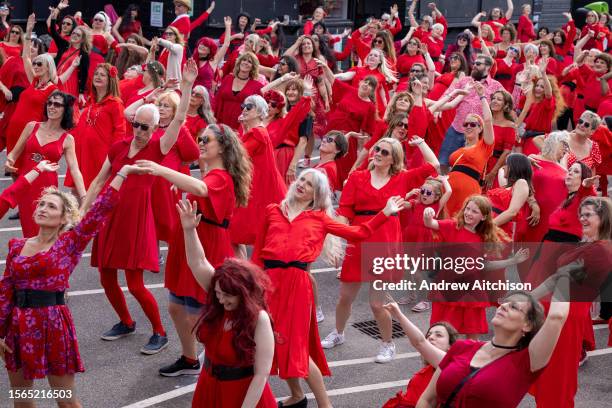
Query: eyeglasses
{"points": [[586, 215], [403, 125], [383, 152], [378, 41], [247, 106], [68, 23], [203, 140], [282, 63], [15, 32], [426, 192], [413, 43], [584, 123], [143, 126], [471, 124], [55, 104], [328, 139], [100, 20], [454, 58], [513, 305], [37, 63], [479, 63]]}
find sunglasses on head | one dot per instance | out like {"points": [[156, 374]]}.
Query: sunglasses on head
{"points": [[426, 192], [143, 126], [55, 104], [247, 106], [383, 152], [37, 64], [471, 124], [584, 123]]}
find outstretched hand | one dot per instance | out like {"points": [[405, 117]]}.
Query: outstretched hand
{"points": [[188, 214], [394, 205]]}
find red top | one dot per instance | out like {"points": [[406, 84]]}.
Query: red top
{"points": [[566, 219], [502, 383], [597, 40], [11, 50], [195, 124], [8, 198], [128, 90], [185, 26], [570, 33], [285, 130], [440, 86], [449, 232], [227, 102], [592, 90], [603, 137], [404, 63], [525, 31], [506, 74], [12, 74], [331, 171], [133, 27], [417, 385], [540, 115], [349, 112], [500, 201], [495, 27], [362, 73]]}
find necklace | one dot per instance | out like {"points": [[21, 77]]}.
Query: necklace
{"points": [[163, 126], [503, 347], [242, 79], [42, 85]]}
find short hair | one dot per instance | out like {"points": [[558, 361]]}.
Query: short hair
{"points": [[534, 316], [605, 58], [531, 47], [261, 106], [593, 118], [487, 60], [552, 141], [340, 141], [437, 25], [151, 109]]}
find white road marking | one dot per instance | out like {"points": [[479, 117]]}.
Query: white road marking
{"points": [[64, 176], [163, 397], [10, 229], [97, 291]]}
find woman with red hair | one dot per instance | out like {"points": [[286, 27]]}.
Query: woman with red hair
{"points": [[208, 56], [234, 327]]}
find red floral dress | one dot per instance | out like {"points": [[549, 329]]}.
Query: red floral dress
{"points": [[43, 339]]}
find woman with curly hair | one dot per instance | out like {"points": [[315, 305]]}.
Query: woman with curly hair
{"points": [[224, 186]]}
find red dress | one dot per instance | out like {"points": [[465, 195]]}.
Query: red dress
{"points": [[413, 227], [71, 85], [8, 197], [500, 201], [227, 102], [539, 119], [485, 389], [291, 301], [185, 150], [195, 124], [43, 339], [360, 196], [320, 120], [349, 113], [101, 124], [362, 73], [213, 393], [506, 74], [592, 160], [11, 50], [32, 154], [416, 386], [525, 31], [404, 64], [468, 317], [12, 74], [331, 171], [267, 187], [505, 138], [30, 108], [128, 240], [212, 232]]}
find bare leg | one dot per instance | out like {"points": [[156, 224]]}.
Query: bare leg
{"points": [[184, 322], [297, 394], [65, 382], [17, 381], [315, 289], [316, 384], [382, 316], [348, 293]]}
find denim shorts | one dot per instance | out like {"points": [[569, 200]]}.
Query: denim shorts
{"points": [[453, 140], [190, 304]]}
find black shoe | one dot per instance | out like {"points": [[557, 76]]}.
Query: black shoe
{"points": [[180, 367], [119, 330], [300, 404], [156, 343], [14, 216]]}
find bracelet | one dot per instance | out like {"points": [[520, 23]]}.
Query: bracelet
{"points": [[36, 169], [123, 176], [483, 97]]}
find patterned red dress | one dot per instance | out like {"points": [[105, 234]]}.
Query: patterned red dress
{"points": [[213, 233], [213, 393], [43, 339], [32, 154]]}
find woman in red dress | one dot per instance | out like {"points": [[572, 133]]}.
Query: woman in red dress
{"points": [[102, 41], [226, 183], [505, 136], [135, 91], [432, 347], [101, 123], [42, 76], [235, 88], [365, 193], [525, 30], [72, 59], [128, 241], [128, 23], [333, 146], [267, 186], [581, 147], [285, 125], [235, 326], [472, 224], [508, 67], [12, 44], [199, 113], [37, 335], [469, 162], [470, 374], [293, 236], [208, 56], [48, 140]]}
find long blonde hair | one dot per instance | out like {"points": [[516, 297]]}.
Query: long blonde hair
{"points": [[388, 73], [397, 153]]}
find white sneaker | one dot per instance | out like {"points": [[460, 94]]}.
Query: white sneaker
{"points": [[332, 340], [386, 353], [421, 306], [320, 315]]}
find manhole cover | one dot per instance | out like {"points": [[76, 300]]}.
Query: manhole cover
{"points": [[370, 328]]}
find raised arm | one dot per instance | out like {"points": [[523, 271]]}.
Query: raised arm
{"points": [[476, 20], [279, 82], [293, 50], [96, 186], [25, 55], [227, 39], [12, 157], [115, 30], [488, 134], [428, 154], [190, 72], [201, 269], [510, 9], [413, 22]]}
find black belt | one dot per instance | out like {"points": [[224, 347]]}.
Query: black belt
{"points": [[368, 212], [580, 96], [283, 145], [497, 153], [31, 298], [503, 76], [275, 263], [560, 236], [227, 373], [224, 224], [529, 134], [468, 171], [570, 85], [590, 108], [497, 210]]}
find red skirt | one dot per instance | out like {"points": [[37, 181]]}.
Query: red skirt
{"points": [[291, 304], [212, 393], [283, 156], [466, 317]]}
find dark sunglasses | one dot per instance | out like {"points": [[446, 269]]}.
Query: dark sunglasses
{"points": [[203, 140], [37, 64], [378, 41], [403, 125], [478, 63], [471, 124], [55, 104], [383, 152], [282, 63], [247, 106], [66, 23], [99, 20], [416, 70], [15, 32], [584, 123], [454, 58], [143, 126], [426, 192]]}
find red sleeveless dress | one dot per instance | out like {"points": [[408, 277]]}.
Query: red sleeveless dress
{"points": [[32, 154]]}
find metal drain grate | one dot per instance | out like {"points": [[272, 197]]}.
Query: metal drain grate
{"points": [[370, 328]]}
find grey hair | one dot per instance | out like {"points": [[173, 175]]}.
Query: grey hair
{"points": [[553, 140], [48, 59], [152, 109], [437, 25], [261, 106], [593, 119], [321, 201], [205, 108], [532, 47], [253, 37]]}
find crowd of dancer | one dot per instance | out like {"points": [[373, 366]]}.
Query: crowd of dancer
{"points": [[500, 135]]}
